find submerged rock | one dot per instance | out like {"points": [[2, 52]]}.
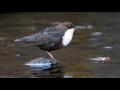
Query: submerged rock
{"points": [[96, 33], [41, 63]]}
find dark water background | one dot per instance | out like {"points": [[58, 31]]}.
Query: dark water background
{"points": [[101, 41]]}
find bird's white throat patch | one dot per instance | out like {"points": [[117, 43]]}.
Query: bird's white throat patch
{"points": [[68, 36]]}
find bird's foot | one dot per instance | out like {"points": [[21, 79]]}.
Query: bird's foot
{"points": [[53, 61]]}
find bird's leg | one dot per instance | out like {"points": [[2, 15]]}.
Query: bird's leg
{"points": [[52, 60], [50, 54]]}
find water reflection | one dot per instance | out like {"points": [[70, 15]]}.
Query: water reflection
{"points": [[55, 72]]}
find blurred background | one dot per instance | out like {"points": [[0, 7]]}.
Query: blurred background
{"points": [[102, 40]]}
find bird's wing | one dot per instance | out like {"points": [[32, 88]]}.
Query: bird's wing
{"points": [[46, 36]]}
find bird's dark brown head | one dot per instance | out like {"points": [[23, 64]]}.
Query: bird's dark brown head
{"points": [[66, 25]]}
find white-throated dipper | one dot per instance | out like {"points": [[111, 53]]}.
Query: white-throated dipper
{"points": [[51, 38]]}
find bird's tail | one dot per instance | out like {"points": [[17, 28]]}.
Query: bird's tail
{"points": [[23, 39]]}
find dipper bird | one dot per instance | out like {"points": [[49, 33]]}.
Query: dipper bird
{"points": [[51, 38]]}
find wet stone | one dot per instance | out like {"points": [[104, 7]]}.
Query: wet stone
{"points": [[104, 59], [18, 55], [39, 64], [96, 33], [108, 47]]}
